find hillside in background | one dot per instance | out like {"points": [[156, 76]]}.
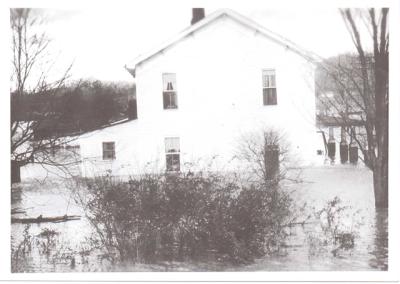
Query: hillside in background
{"points": [[79, 107]]}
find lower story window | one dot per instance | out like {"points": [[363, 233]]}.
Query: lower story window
{"points": [[173, 162], [108, 150], [172, 154]]}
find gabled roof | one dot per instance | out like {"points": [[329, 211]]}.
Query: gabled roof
{"points": [[131, 66]]}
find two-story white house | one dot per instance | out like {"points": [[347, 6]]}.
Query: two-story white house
{"points": [[199, 93]]}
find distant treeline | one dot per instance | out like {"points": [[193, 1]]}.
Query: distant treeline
{"points": [[79, 107], [337, 85]]}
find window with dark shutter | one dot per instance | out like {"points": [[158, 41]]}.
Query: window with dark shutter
{"points": [[269, 87], [271, 160], [170, 100]]}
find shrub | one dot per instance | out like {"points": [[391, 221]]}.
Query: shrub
{"points": [[338, 228], [21, 251], [187, 216], [37, 251]]}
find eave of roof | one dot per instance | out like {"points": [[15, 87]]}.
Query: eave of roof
{"points": [[309, 56]]}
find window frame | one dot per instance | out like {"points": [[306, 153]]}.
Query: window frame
{"points": [[172, 155], [264, 72], [171, 94], [113, 152]]}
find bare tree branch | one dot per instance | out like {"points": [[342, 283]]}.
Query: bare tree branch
{"points": [[31, 67]]}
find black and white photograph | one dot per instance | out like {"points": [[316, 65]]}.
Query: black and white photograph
{"points": [[200, 137]]}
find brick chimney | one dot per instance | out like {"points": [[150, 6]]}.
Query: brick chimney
{"points": [[198, 14]]}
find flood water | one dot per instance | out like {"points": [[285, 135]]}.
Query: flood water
{"points": [[67, 249]]}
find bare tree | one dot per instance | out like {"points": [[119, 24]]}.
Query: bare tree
{"points": [[265, 154], [360, 85], [32, 72]]}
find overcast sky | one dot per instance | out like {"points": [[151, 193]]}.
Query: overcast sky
{"points": [[101, 41]]}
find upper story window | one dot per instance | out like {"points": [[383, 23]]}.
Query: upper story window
{"points": [[269, 87], [108, 150], [170, 99], [172, 154]]}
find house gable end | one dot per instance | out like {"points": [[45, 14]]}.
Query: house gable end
{"points": [[244, 21]]}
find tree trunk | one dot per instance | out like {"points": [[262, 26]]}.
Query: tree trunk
{"points": [[15, 172], [380, 186]]}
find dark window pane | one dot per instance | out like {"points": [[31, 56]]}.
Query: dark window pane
{"points": [[165, 100], [108, 150], [269, 96], [170, 100], [173, 162]]}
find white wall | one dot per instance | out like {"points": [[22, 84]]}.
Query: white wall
{"points": [[219, 87]]}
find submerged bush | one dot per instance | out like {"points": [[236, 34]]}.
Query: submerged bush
{"points": [[21, 251], [43, 250], [187, 216], [338, 228]]}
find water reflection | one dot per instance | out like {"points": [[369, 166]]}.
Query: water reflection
{"points": [[16, 194], [379, 253]]}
